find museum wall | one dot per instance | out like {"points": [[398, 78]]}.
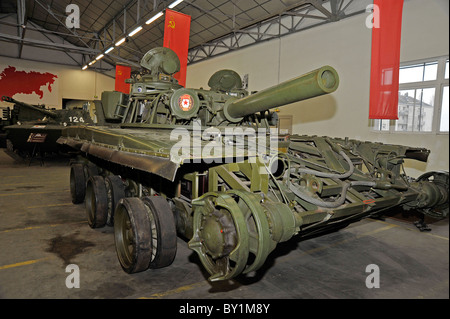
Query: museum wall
{"points": [[345, 45], [48, 84]]}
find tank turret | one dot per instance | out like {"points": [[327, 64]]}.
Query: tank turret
{"points": [[157, 98], [30, 107]]}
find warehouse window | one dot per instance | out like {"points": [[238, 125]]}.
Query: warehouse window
{"points": [[422, 99]]}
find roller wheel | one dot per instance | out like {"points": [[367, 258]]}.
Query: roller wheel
{"points": [[77, 183], [441, 180], [96, 202], [115, 190], [132, 235], [163, 229], [145, 234]]}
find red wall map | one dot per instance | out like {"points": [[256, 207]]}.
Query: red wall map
{"points": [[13, 82]]}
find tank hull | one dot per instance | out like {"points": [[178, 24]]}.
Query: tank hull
{"points": [[19, 137], [320, 183]]}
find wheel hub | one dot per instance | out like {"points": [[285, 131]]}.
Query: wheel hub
{"points": [[435, 186], [218, 233]]}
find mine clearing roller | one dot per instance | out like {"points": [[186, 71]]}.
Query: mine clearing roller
{"points": [[233, 207]]}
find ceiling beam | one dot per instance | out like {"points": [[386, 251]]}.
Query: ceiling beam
{"points": [[60, 47], [318, 5], [50, 39], [259, 31], [21, 23], [48, 45], [73, 32]]}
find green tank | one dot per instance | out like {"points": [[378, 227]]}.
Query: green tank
{"points": [[26, 123], [5, 120], [208, 166], [34, 125]]}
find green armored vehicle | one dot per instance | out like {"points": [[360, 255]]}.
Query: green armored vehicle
{"points": [[5, 120], [18, 113], [25, 126], [35, 125], [205, 164]]}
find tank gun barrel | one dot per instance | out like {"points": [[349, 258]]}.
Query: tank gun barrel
{"points": [[29, 106], [315, 83]]}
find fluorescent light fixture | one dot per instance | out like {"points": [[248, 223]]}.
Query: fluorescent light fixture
{"points": [[99, 57], [92, 62], [174, 4], [120, 42], [159, 14], [135, 31], [84, 67], [109, 50]]}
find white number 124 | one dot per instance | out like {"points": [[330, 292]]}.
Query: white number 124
{"points": [[76, 119]]}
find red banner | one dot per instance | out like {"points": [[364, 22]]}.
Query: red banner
{"points": [[176, 37], [384, 72], [122, 73]]}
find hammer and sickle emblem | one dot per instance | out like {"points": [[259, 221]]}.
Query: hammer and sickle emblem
{"points": [[171, 23]]}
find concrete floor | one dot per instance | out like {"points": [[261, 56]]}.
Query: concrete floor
{"points": [[41, 232]]}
